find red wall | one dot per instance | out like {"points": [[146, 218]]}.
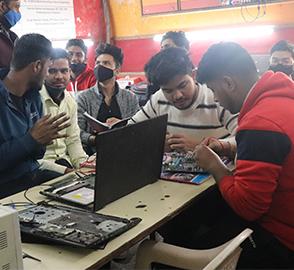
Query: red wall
{"points": [[89, 19], [90, 24], [138, 51]]}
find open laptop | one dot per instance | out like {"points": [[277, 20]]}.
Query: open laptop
{"points": [[128, 158]]}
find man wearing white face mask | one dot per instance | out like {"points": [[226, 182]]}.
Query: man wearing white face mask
{"points": [[105, 100], [9, 16]]}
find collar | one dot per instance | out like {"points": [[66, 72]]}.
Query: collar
{"points": [[116, 89]]}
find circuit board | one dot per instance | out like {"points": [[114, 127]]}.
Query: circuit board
{"points": [[180, 162]]}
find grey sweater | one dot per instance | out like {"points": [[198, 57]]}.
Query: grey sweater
{"points": [[91, 99]]}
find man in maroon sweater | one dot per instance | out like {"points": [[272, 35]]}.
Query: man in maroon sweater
{"points": [[82, 76], [9, 16], [261, 191]]}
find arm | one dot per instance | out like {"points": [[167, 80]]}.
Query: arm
{"points": [[259, 164], [210, 162], [49, 165], [82, 122], [73, 142], [260, 159], [23, 146], [147, 112], [225, 147], [182, 142], [43, 132]]}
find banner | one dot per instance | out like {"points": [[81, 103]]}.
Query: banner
{"points": [[51, 18]]}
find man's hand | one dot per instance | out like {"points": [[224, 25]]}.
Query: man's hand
{"points": [[92, 140], [69, 170], [167, 147], [112, 120], [46, 129], [182, 142], [210, 162], [221, 147]]}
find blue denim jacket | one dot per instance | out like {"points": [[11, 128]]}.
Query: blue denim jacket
{"points": [[19, 151]]}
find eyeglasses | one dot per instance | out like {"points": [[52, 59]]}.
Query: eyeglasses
{"points": [[285, 61]]}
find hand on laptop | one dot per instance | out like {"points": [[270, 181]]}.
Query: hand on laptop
{"points": [[46, 129]]}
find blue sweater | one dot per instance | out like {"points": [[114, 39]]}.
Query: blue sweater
{"points": [[19, 151]]}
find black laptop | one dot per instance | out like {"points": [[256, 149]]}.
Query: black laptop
{"points": [[128, 158]]}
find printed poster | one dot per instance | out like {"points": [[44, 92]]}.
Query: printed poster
{"points": [[51, 18]]}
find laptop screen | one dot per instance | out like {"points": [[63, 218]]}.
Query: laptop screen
{"points": [[128, 158]]}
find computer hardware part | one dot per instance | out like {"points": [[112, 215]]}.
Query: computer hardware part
{"points": [[65, 225]]}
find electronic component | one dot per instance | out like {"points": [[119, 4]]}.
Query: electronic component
{"points": [[180, 162], [70, 226], [78, 191]]}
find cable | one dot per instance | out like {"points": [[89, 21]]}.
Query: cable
{"points": [[25, 195], [258, 16], [17, 204]]}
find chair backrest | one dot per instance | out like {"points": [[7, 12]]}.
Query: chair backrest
{"points": [[228, 257], [222, 257]]}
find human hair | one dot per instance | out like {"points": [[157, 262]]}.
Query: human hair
{"points": [[115, 52], [60, 53], [283, 45], [167, 64], [178, 37], [30, 48], [77, 42], [225, 59], [7, 2]]}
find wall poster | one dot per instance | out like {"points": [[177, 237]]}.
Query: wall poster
{"points": [[51, 18]]}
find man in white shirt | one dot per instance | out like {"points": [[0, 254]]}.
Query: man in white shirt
{"points": [[65, 154], [193, 115]]}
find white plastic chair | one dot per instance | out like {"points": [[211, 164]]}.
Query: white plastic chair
{"points": [[222, 257]]}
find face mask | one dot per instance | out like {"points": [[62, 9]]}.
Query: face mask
{"points": [[77, 68], [54, 92], [288, 70], [12, 17], [102, 73]]}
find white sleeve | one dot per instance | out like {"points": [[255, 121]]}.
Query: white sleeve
{"points": [[51, 166]]}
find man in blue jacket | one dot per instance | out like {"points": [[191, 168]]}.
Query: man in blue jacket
{"points": [[25, 132]]}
